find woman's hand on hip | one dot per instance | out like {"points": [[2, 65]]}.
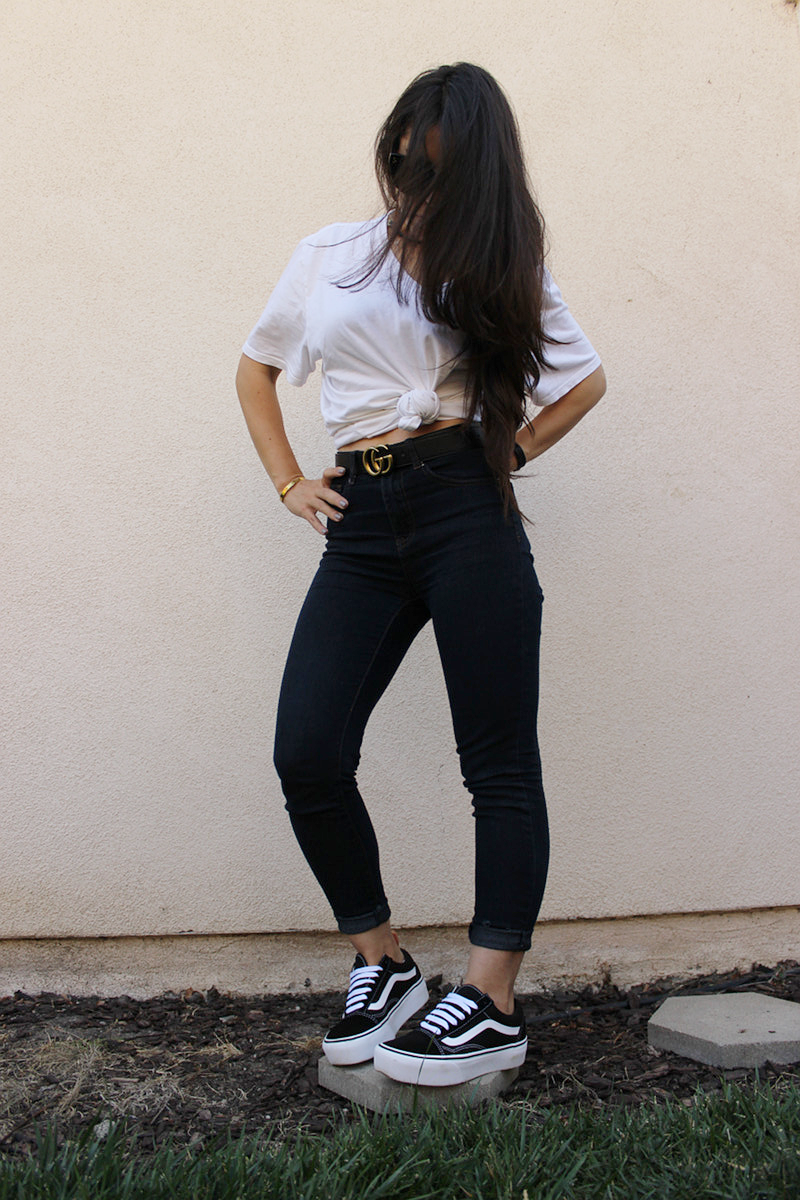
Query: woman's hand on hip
{"points": [[308, 497]]}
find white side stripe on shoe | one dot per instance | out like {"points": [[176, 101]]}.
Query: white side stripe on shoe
{"points": [[386, 991], [460, 1038]]}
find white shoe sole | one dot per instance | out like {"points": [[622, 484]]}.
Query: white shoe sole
{"points": [[446, 1072], [351, 1051]]}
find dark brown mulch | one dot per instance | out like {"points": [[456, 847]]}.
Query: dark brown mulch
{"points": [[197, 1065]]}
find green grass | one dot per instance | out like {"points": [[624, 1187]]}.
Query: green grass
{"points": [[740, 1143]]}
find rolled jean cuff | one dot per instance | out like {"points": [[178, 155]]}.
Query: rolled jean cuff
{"points": [[493, 938], [364, 922]]}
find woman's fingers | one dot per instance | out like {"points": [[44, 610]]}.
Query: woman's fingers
{"points": [[302, 501], [334, 498], [311, 496]]}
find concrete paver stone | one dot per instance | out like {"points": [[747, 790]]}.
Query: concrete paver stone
{"points": [[371, 1089], [747, 1029]]}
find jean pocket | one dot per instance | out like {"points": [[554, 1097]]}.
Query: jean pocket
{"points": [[466, 468]]}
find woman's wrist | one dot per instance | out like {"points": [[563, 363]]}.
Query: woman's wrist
{"points": [[287, 487], [525, 445]]}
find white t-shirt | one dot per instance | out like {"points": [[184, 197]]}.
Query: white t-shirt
{"points": [[384, 366]]}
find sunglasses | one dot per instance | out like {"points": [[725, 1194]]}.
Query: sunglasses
{"points": [[394, 164]]}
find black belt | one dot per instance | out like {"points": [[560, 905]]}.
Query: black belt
{"points": [[379, 460]]}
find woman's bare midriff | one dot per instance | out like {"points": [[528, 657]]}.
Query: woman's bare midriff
{"points": [[400, 435]]}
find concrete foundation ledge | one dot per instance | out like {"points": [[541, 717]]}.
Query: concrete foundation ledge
{"points": [[373, 1090], [566, 954]]}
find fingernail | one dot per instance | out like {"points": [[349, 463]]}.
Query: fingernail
{"points": [[340, 470], [343, 504]]}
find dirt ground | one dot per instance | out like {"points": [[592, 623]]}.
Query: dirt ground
{"points": [[198, 1066]]}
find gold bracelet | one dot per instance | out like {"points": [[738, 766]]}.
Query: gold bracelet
{"points": [[288, 487]]}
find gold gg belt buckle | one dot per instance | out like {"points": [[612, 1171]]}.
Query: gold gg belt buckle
{"points": [[377, 460]]}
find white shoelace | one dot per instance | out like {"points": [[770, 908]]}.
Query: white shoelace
{"points": [[447, 1013], [358, 993]]}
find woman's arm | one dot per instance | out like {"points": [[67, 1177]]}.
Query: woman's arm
{"points": [[555, 420], [255, 385]]}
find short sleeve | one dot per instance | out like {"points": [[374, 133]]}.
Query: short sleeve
{"points": [[571, 356], [280, 338]]}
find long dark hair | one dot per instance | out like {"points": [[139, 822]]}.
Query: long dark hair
{"points": [[475, 237]]}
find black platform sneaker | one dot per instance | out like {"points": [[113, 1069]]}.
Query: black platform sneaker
{"points": [[463, 1037], [379, 1000]]}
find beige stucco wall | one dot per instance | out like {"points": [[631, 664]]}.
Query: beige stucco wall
{"points": [[161, 163]]}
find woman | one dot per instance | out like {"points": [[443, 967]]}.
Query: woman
{"points": [[437, 327]]}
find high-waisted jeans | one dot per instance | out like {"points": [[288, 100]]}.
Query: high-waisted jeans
{"points": [[422, 542]]}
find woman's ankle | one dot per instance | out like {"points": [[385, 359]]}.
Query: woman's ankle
{"points": [[501, 998], [494, 972], [373, 944]]}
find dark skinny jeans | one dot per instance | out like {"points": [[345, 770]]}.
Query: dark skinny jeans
{"points": [[428, 541]]}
